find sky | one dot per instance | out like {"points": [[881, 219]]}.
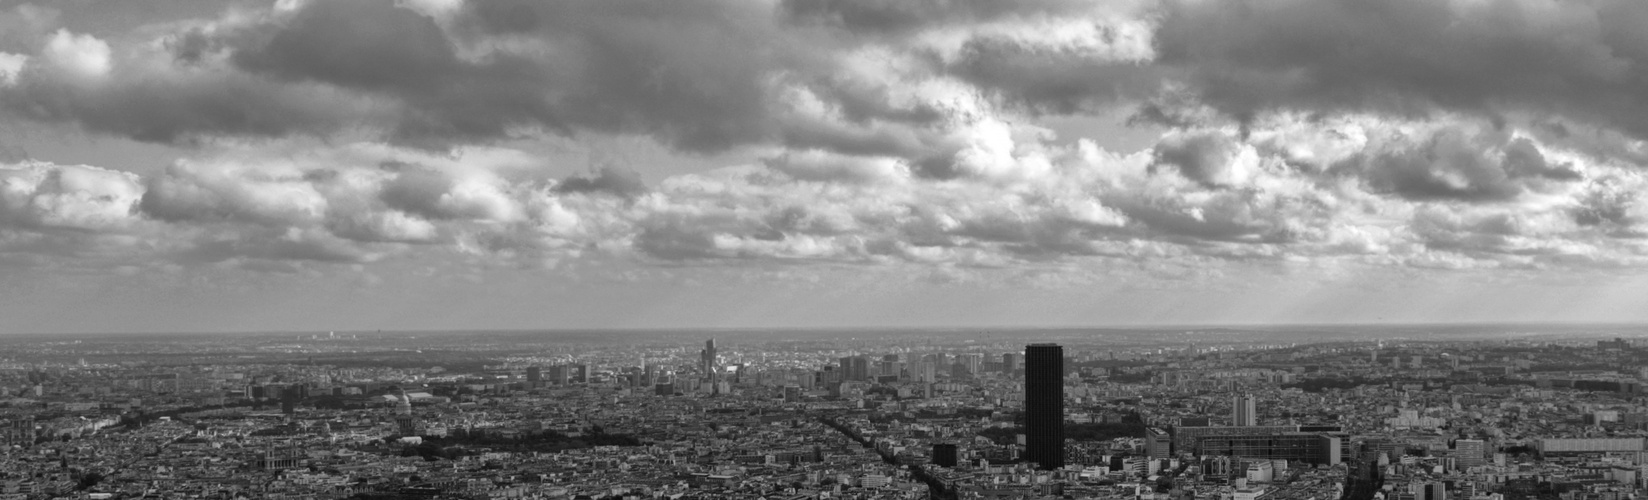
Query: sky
{"points": [[188, 165]]}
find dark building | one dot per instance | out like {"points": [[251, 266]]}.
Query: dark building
{"points": [[560, 374], [534, 374], [1311, 448], [1044, 405], [855, 368], [944, 454]]}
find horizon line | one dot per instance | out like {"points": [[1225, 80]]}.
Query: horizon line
{"points": [[982, 328]]}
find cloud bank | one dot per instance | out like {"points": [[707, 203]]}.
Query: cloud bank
{"points": [[1468, 134]]}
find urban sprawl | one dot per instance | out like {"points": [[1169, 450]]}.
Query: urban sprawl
{"points": [[1181, 417]]}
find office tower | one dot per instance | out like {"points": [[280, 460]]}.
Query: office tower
{"points": [[1044, 405], [534, 374], [707, 361], [1244, 412], [580, 373], [559, 374], [855, 368], [1431, 491], [1157, 443], [944, 454], [973, 363], [1010, 363]]}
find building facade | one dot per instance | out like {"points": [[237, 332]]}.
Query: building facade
{"points": [[1044, 405]]}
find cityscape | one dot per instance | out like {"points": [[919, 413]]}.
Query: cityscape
{"points": [[1478, 412], [824, 249]]}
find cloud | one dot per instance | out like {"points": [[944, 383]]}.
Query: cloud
{"points": [[1456, 163], [1211, 158], [612, 180], [81, 56], [1579, 60], [866, 133], [46, 196]]}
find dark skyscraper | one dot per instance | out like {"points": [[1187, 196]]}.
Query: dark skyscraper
{"points": [[944, 454], [1044, 405]]}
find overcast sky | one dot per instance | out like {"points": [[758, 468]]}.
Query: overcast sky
{"points": [[184, 165]]}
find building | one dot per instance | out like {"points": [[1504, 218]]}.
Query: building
{"points": [[944, 454], [404, 406], [1470, 453], [1010, 363], [1244, 411], [1187, 439], [406, 425], [1308, 447], [855, 368], [19, 432], [1157, 443], [708, 362], [281, 459], [534, 374], [1549, 446], [559, 374], [1044, 405]]}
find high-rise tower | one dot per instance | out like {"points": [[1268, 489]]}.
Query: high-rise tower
{"points": [[1044, 405], [1244, 412], [708, 365]]}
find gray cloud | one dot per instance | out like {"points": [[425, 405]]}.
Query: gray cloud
{"points": [[1583, 60], [1457, 164], [612, 180], [1202, 157]]}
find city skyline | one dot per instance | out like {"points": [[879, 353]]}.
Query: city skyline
{"points": [[193, 165], [938, 416]]}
